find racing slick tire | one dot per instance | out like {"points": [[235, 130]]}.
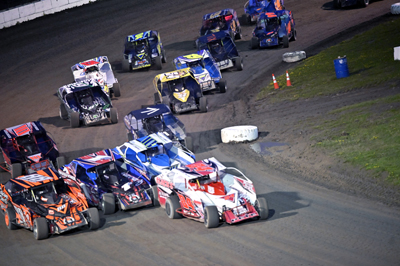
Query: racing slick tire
{"points": [[60, 161], [40, 228], [157, 98], [244, 19], [165, 100], [157, 63], [164, 57], [116, 90], [16, 170], [203, 105], [130, 136], [108, 203], [125, 65], [154, 196], [114, 115], [171, 205], [222, 86], [189, 143], [75, 120], [254, 43], [2, 162], [9, 217], [239, 134], [261, 207], [94, 218], [211, 217], [285, 41], [294, 34], [239, 63], [63, 112], [238, 35], [337, 3], [364, 3]]}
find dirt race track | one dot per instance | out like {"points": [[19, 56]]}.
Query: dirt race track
{"points": [[321, 212]]}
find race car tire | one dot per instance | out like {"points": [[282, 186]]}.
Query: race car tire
{"points": [[239, 134], [94, 218], [75, 120], [222, 86], [114, 115], [157, 98], [157, 63], [9, 217], [211, 217], [285, 41], [294, 35], [203, 105], [63, 112], [239, 63], [1, 162], [125, 65], [244, 20], [395, 9], [60, 161], [154, 196], [164, 57], [261, 207], [364, 3], [189, 143], [232, 35], [108, 203], [238, 35], [116, 90], [337, 3], [16, 170], [171, 205], [130, 136], [254, 43], [165, 100], [40, 228]]}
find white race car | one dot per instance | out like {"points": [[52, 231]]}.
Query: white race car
{"points": [[209, 192], [100, 69]]}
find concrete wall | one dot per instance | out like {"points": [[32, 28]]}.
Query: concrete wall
{"points": [[31, 11]]}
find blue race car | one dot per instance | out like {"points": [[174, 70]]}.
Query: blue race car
{"points": [[344, 3], [253, 8], [205, 70], [225, 20], [222, 49], [108, 183], [143, 50], [27, 148], [274, 29]]}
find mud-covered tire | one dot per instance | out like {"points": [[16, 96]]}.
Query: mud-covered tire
{"points": [[285, 41], [203, 105], [157, 63], [211, 217], [154, 196], [16, 170], [164, 57], [63, 112], [9, 217], [254, 43], [125, 65], [40, 228], [94, 218], [108, 203], [262, 208], [114, 115], [239, 64], [60, 161], [171, 205], [75, 120], [157, 98], [222, 86], [189, 143], [116, 90]]}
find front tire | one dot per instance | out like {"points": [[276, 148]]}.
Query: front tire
{"points": [[108, 203], [63, 112], [203, 104], [75, 119], [285, 41], [94, 218], [9, 217], [40, 228], [239, 64], [164, 57], [116, 90], [157, 98], [262, 208], [154, 196], [222, 86], [254, 43], [211, 217], [125, 65], [130, 136], [171, 206], [60, 161]]}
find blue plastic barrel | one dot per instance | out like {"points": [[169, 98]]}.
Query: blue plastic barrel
{"points": [[341, 68]]}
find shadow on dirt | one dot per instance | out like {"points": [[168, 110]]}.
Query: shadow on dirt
{"points": [[186, 46]]}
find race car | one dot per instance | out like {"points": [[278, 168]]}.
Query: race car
{"points": [[180, 91], [222, 49], [151, 154], [27, 148], [85, 102], [45, 203], [153, 119], [107, 183], [143, 50], [273, 29], [209, 192], [225, 20], [204, 68], [344, 3], [253, 8], [98, 68]]}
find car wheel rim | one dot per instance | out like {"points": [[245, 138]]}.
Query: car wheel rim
{"points": [[167, 209], [35, 230]]}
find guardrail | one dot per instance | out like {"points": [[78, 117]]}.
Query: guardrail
{"points": [[34, 10]]}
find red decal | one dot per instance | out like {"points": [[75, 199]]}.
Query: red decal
{"points": [[22, 130]]}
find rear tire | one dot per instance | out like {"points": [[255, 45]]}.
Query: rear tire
{"points": [[262, 208], [157, 63], [40, 228], [211, 217], [154, 196], [203, 105], [16, 170], [94, 218], [116, 90], [337, 3], [114, 115], [125, 65], [254, 43], [285, 41], [222, 86], [239, 63], [165, 100], [171, 206], [63, 112], [60, 161], [75, 120], [130, 136], [164, 57], [157, 98], [108, 203], [9, 217]]}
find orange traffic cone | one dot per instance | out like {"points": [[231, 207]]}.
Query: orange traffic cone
{"points": [[276, 86], [288, 83]]}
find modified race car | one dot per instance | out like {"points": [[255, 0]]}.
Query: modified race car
{"points": [[27, 148], [45, 203], [273, 29], [180, 91], [109, 184], [222, 49], [209, 192], [205, 70], [153, 119], [225, 20], [85, 102], [98, 68], [345, 3], [253, 8], [151, 154], [143, 50]]}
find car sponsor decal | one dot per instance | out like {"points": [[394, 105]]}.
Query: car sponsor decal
{"points": [[150, 110], [21, 130]]}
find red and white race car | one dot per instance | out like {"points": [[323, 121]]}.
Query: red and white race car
{"points": [[209, 192]]}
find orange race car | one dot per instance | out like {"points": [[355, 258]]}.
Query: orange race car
{"points": [[46, 204]]}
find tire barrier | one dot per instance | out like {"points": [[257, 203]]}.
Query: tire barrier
{"points": [[239, 134]]}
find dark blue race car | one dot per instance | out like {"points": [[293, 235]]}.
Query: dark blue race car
{"points": [[344, 3], [225, 20], [253, 8]]}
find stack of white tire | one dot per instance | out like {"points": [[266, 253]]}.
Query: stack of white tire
{"points": [[239, 134], [395, 9]]}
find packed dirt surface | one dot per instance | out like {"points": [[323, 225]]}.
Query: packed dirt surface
{"points": [[322, 212]]}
